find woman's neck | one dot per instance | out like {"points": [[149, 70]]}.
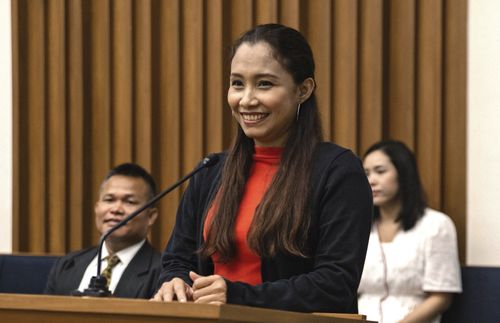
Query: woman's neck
{"points": [[387, 225], [390, 211]]}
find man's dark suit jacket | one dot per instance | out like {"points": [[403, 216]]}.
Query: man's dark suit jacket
{"points": [[137, 281]]}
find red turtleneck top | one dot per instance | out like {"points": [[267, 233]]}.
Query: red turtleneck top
{"points": [[245, 267]]}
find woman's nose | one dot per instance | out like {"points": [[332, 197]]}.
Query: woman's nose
{"points": [[248, 99]]}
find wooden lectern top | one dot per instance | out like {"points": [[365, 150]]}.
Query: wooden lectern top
{"points": [[20, 308]]}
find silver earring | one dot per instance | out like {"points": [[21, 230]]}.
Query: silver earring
{"points": [[298, 111]]}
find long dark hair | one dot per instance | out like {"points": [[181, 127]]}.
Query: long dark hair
{"points": [[282, 219], [411, 193]]}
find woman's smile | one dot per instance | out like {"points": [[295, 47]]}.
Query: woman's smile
{"points": [[253, 118]]}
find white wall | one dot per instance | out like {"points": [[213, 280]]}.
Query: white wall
{"points": [[5, 128], [483, 135]]}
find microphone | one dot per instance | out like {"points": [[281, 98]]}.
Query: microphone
{"points": [[97, 286]]}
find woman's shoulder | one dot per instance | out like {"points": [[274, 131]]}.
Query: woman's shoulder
{"points": [[331, 152], [213, 168], [434, 216], [327, 147], [334, 162], [434, 221]]}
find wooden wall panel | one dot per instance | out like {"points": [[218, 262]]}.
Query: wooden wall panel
{"points": [[429, 99], [266, 11], [100, 95], [215, 67], [167, 91], [142, 92], [400, 64], [370, 89], [77, 226], [36, 129], [101, 82], [454, 136], [345, 73], [56, 126], [318, 30], [121, 81], [192, 80], [289, 13]]}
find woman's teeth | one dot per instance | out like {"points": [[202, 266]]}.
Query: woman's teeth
{"points": [[254, 116]]}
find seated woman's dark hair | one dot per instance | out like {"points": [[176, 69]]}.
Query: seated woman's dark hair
{"points": [[411, 193]]}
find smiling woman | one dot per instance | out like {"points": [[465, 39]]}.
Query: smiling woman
{"points": [[283, 220], [263, 95]]}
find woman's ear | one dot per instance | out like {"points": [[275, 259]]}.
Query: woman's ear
{"points": [[306, 88]]}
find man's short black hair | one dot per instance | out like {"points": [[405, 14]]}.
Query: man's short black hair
{"points": [[133, 170]]}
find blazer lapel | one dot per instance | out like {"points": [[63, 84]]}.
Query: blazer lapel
{"points": [[135, 275], [72, 273]]}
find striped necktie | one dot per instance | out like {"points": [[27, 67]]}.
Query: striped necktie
{"points": [[112, 262]]}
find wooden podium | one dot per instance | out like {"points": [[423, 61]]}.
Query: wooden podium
{"points": [[21, 308]]}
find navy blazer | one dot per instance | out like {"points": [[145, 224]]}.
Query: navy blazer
{"points": [[327, 280], [137, 281]]}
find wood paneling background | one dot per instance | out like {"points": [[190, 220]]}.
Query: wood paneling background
{"points": [[101, 82]]}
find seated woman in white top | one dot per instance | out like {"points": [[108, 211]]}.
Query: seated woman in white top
{"points": [[411, 269]]}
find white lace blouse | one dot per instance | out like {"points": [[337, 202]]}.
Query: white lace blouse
{"points": [[397, 275]]}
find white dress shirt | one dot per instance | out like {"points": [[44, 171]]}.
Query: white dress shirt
{"points": [[125, 256]]}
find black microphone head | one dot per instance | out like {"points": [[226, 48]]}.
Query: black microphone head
{"points": [[210, 160]]}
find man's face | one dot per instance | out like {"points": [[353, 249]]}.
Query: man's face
{"points": [[120, 196]]}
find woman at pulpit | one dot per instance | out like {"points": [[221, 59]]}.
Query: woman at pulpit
{"points": [[282, 221]]}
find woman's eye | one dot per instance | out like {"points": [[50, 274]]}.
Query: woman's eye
{"points": [[236, 83], [264, 84]]}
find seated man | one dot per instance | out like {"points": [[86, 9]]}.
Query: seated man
{"points": [[135, 272]]}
